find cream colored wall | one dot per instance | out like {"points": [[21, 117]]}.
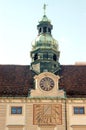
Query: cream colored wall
{"points": [[3, 109], [25, 121], [76, 121], [18, 119]]}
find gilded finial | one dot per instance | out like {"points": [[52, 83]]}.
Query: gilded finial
{"points": [[44, 7]]}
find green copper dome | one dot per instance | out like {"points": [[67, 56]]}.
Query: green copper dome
{"points": [[44, 19], [45, 41]]}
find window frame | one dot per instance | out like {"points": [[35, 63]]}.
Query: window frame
{"points": [[16, 110], [80, 110]]}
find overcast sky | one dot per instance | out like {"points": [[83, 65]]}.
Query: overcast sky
{"points": [[18, 22]]}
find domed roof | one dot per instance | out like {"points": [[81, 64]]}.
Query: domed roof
{"points": [[45, 41], [44, 19]]}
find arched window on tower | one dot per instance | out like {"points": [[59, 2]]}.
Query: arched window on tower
{"points": [[54, 57], [36, 56], [44, 29], [40, 30], [49, 30]]}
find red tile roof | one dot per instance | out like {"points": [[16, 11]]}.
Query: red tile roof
{"points": [[73, 80], [17, 80]]}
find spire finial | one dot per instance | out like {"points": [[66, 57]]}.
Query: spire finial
{"points": [[44, 7]]}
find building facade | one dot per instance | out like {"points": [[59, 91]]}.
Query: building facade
{"points": [[44, 95]]}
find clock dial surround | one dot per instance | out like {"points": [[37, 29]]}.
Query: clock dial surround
{"points": [[46, 84]]}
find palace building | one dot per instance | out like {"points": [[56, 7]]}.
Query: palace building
{"points": [[44, 95]]}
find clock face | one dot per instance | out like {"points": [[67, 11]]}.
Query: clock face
{"points": [[46, 84]]}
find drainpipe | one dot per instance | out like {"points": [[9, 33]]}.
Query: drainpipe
{"points": [[65, 112]]}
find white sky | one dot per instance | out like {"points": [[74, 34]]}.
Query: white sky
{"points": [[18, 21]]}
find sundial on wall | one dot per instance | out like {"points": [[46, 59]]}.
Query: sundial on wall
{"points": [[47, 114]]}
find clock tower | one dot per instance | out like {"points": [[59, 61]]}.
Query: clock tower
{"points": [[45, 61], [45, 51], [48, 105]]}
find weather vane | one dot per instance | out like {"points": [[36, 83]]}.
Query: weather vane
{"points": [[44, 7]]}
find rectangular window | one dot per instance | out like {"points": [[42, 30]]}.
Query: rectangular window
{"points": [[79, 110], [16, 110]]}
